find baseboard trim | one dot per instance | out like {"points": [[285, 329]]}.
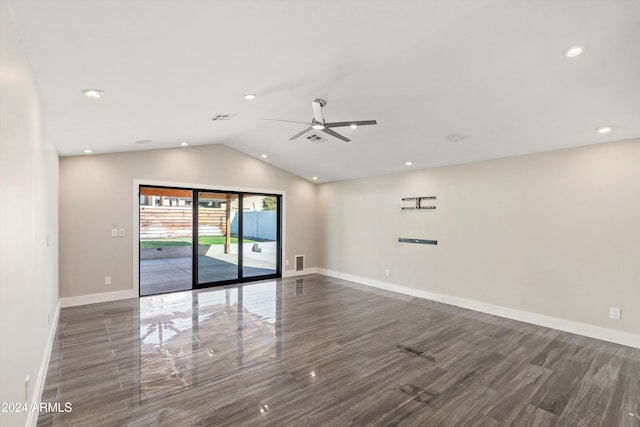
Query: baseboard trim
{"points": [[591, 331], [95, 298], [118, 295], [36, 397], [293, 273]]}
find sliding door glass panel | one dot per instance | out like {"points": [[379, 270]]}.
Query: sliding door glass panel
{"points": [[217, 237], [166, 231], [259, 235]]}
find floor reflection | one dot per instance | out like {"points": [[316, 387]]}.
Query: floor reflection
{"points": [[322, 351], [217, 329]]}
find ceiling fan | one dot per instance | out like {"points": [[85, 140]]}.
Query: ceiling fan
{"points": [[319, 123]]}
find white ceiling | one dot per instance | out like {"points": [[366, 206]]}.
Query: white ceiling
{"points": [[489, 70]]}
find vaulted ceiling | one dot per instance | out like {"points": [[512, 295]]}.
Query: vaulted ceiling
{"points": [[448, 81]]}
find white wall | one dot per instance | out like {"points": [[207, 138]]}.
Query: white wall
{"points": [[96, 195], [555, 233], [28, 217]]}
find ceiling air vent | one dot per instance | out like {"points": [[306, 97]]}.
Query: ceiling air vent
{"points": [[223, 116], [316, 138], [455, 138]]}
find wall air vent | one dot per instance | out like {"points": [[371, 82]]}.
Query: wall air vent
{"points": [[223, 117], [299, 262], [315, 138]]}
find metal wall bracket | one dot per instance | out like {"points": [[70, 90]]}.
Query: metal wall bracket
{"points": [[414, 203], [418, 241]]}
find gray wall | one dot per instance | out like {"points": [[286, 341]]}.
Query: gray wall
{"points": [[257, 225], [554, 233], [28, 219], [96, 195]]}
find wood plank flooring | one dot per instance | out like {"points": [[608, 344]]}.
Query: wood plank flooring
{"points": [[318, 351]]}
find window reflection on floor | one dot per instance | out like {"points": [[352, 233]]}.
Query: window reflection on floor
{"points": [[217, 329]]}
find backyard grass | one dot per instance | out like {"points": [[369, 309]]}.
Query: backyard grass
{"points": [[164, 243], [186, 241]]}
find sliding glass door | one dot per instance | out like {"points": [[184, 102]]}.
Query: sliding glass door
{"points": [[193, 238], [217, 248], [166, 248], [260, 234]]}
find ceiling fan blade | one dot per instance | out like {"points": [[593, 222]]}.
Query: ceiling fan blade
{"points": [[300, 133], [290, 121], [336, 134], [317, 111], [357, 123]]}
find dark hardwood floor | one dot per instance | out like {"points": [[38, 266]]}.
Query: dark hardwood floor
{"points": [[317, 351]]}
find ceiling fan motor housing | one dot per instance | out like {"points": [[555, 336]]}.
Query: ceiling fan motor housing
{"points": [[318, 123]]}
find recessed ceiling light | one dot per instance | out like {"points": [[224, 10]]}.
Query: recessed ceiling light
{"points": [[353, 126], [315, 178], [87, 151], [573, 51], [264, 156], [604, 129], [408, 163], [144, 141], [93, 93], [250, 96], [184, 144]]}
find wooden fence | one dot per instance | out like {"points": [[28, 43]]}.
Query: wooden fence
{"points": [[158, 222]]}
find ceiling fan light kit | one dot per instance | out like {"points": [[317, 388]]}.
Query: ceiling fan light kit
{"points": [[318, 122]]}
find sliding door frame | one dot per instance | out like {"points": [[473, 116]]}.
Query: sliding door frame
{"points": [[280, 231], [240, 278]]}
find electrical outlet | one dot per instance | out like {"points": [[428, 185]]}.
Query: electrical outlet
{"points": [[121, 232], [107, 280], [614, 313], [286, 262], [387, 272], [114, 232]]}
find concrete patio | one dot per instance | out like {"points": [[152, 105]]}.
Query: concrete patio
{"points": [[172, 274]]}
